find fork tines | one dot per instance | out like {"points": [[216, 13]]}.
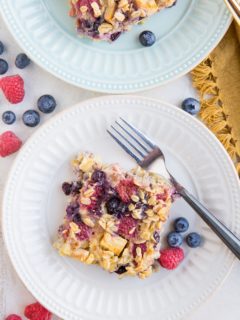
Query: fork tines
{"points": [[133, 141]]}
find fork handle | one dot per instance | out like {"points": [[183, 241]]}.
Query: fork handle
{"points": [[230, 240]]}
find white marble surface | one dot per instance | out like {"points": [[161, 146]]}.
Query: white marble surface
{"points": [[224, 304]]}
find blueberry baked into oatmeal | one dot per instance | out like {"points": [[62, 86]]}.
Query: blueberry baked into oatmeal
{"points": [[108, 19], [114, 218]]}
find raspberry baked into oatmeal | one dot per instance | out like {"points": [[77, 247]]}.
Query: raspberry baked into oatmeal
{"points": [[108, 19], [114, 218]]}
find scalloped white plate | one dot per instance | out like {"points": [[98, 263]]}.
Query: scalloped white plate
{"points": [[34, 206], [186, 33]]}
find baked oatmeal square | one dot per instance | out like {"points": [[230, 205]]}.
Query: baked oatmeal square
{"points": [[114, 218]]}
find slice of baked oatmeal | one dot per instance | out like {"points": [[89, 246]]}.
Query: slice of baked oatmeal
{"points": [[108, 19], [114, 218]]}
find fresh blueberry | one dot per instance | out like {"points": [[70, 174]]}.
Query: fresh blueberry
{"points": [[66, 188], [99, 176], [1, 47], [121, 270], [112, 205], [46, 103], [8, 117], [22, 61], [181, 224], [193, 240], [31, 118], [191, 105], [147, 38], [3, 66], [174, 239]]}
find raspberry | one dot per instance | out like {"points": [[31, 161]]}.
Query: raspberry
{"points": [[9, 143], [13, 317], [162, 196], [36, 311], [84, 232], [142, 246], [127, 227], [88, 3], [126, 188], [95, 198], [13, 88], [170, 258]]}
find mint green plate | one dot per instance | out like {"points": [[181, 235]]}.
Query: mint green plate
{"points": [[186, 33]]}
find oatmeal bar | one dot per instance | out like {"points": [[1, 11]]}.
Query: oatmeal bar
{"points": [[108, 19], [113, 217]]}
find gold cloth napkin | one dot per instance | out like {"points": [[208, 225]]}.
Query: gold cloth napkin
{"points": [[217, 79]]}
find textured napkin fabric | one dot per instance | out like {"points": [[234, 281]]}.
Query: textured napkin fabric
{"points": [[217, 79]]}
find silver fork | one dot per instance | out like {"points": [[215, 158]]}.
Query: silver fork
{"points": [[148, 155]]}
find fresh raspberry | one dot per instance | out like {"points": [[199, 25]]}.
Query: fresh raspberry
{"points": [[127, 227], [13, 88], [142, 246], [84, 232], [126, 188], [9, 143], [13, 317], [170, 258], [36, 311]]}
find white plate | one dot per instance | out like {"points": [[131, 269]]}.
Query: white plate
{"points": [[34, 206], [186, 33]]}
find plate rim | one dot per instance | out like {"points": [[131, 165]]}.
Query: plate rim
{"points": [[107, 87], [205, 296]]}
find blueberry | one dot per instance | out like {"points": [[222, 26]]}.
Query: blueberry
{"points": [[112, 205], [99, 176], [72, 209], [96, 25], [191, 105], [116, 206], [8, 117], [66, 188], [156, 236], [193, 240], [76, 186], [46, 103], [3, 66], [115, 36], [143, 208], [1, 47], [121, 270], [121, 209], [31, 118], [174, 3], [147, 38], [174, 239], [22, 61], [76, 218], [181, 224]]}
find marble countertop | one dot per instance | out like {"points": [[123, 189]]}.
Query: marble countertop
{"points": [[224, 304]]}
